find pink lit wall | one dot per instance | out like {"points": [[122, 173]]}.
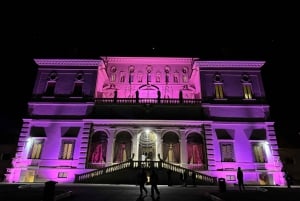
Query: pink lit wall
{"points": [[125, 76]]}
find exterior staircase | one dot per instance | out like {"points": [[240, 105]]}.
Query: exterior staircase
{"points": [[126, 173]]}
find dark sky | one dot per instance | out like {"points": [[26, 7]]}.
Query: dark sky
{"points": [[44, 34]]}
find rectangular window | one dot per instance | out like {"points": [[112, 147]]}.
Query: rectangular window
{"points": [[67, 149], [219, 91], [77, 91], [227, 152], [230, 178], [36, 149], [62, 175], [259, 153], [50, 88], [247, 89]]}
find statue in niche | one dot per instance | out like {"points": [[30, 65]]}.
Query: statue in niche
{"points": [[157, 77], [97, 154], [170, 155]]}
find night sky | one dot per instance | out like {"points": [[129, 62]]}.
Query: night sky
{"points": [[266, 38]]}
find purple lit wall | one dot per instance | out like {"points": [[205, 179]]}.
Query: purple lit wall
{"points": [[235, 129]]}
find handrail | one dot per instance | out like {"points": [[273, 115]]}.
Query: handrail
{"points": [[206, 179], [146, 101], [175, 168], [89, 175]]}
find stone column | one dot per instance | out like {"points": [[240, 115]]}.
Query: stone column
{"points": [[158, 143], [135, 147], [183, 148], [110, 147]]}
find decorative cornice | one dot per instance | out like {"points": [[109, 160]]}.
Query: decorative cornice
{"points": [[229, 64], [68, 62], [144, 123], [148, 60]]}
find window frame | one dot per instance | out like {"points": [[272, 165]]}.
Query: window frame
{"points": [[255, 158], [67, 156], [32, 152], [229, 142]]}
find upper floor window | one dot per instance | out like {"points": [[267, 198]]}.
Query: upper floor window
{"points": [[247, 86], [218, 82], [50, 88], [247, 90], [227, 152], [219, 91], [36, 148], [67, 148], [259, 152], [77, 90]]}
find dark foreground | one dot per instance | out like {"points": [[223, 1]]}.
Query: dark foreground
{"points": [[100, 192]]}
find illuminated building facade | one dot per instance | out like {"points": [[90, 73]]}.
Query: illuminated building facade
{"points": [[206, 116]]}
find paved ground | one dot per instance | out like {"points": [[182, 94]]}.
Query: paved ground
{"points": [[100, 192]]}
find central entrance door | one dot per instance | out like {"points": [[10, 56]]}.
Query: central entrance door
{"points": [[147, 146]]}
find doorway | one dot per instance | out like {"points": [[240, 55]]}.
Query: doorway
{"points": [[147, 146]]}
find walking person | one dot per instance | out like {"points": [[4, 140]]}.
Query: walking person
{"points": [[240, 177], [142, 179], [194, 178], [185, 177], [170, 183], [154, 182], [288, 179]]}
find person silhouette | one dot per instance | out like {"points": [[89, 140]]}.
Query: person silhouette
{"points": [[288, 179], [185, 177], [142, 179], [154, 182], [194, 178], [170, 183], [240, 177]]}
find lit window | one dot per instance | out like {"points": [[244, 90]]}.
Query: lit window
{"points": [[218, 81], [62, 175], [219, 91], [227, 153], [67, 150], [230, 177], [247, 89], [259, 153], [36, 149]]}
